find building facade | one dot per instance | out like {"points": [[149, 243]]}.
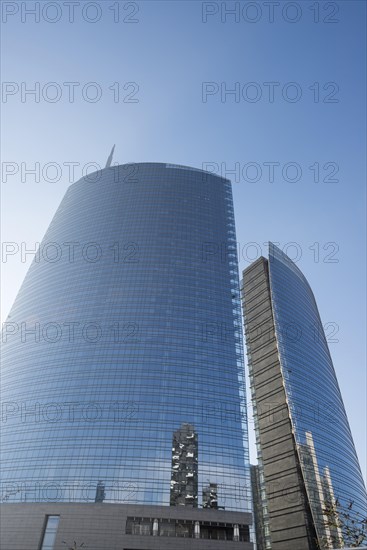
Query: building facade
{"points": [[124, 337], [311, 487]]}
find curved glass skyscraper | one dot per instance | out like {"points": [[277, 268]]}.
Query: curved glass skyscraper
{"points": [[123, 375], [311, 477]]}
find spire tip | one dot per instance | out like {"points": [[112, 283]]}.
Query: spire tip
{"points": [[109, 160]]}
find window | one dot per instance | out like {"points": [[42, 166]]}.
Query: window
{"points": [[49, 535]]}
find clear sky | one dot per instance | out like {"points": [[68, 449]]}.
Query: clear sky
{"points": [[303, 61]]}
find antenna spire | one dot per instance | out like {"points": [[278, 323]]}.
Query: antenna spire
{"points": [[109, 160]]}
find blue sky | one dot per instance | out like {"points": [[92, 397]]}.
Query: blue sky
{"points": [[168, 54]]}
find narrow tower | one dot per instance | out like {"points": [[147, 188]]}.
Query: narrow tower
{"points": [[308, 468]]}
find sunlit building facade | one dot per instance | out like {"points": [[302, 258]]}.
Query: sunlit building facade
{"points": [[311, 486], [125, 339]]}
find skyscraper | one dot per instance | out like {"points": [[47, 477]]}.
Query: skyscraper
{"points": [[125, 335], [309, 473], [258, 510]]}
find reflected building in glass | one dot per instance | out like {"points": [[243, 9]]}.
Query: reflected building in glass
{"points": [[184, 475], [123, 343], [309, 476]]}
